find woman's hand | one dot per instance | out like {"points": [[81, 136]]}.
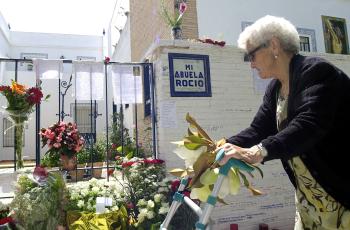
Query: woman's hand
{"points": [[250, 155]]}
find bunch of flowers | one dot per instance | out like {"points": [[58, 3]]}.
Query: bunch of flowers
{"points": [[198, 151], [21, 100], [62, 138], [152, 212], [39, 205], [20, 104], [142, 177], [83, 195], [174, 21]]}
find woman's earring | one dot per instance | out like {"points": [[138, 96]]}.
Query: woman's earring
{"points": [[275, 56]]}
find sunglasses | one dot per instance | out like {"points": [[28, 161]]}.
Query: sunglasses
{"points": [[251, 55]]}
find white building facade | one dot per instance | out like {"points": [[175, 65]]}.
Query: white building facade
{"points": [[20, 45]]}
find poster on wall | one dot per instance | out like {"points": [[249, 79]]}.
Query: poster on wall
{"points": [[189, 75], [335, 35]]}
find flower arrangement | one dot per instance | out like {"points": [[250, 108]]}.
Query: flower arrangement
{"points": [[63, 139], [20, 104], [198, 151], [174, 21], [39, 205], [83, 195]]}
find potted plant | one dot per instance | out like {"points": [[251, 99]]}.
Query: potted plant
{"points": [[64, 140], [174, 21]]}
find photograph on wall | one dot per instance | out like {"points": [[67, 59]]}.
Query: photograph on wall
{"points": [[335, 35]]}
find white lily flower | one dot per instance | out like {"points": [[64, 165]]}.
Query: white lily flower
{"points": [[189, 156]]}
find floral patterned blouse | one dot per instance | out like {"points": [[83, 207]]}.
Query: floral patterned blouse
{"points": [[316, 209]]}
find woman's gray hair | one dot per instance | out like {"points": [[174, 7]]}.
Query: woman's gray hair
{"points": [[267, 27]]}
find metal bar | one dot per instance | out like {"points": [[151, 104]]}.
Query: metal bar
{"points": [[153, 110], [136, 128], [106, 84], [71, 61], [14, 131], [37, 129]]}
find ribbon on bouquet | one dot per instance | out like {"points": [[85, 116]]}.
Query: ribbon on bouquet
{"points": [[14, 123]]}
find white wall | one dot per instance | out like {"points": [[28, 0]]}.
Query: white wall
{"points": [[56, 45], [223, 21], [4, 38], [231, 108]]}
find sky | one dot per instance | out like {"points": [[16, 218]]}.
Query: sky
{"points": [[87, 17]]}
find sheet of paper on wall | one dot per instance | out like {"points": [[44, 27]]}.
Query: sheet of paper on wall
{"points": [[259, 84], [127, 88], [2, 71], [48, 69], [167, 114], [89, 80]]}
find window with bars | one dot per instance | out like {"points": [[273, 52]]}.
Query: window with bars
{"points": [[304, 43], [83, 116], [9, 133]]}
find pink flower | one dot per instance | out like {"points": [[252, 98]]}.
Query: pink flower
{"points": [[182, 7], [57, 145], [49, 134]]}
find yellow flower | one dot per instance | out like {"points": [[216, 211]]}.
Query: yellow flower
{"points": [[18, 88]]}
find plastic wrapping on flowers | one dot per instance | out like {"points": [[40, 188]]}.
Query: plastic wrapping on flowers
{"points": [[38, 205], [198, 151]]}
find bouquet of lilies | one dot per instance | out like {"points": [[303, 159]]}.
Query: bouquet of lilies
{"points": [[199, 151]]}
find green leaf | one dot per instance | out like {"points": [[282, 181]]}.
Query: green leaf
{"points": [[209, 176], [202, 163], [196, 139], [130, 155], [192, 146]]}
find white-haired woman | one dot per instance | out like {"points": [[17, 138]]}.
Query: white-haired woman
{"points": [[303, 120]]}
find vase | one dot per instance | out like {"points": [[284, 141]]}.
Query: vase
{"points": [[19, 128], [18, 119], [68, 163], [176, 33]]}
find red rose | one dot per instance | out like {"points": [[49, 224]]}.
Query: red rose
{"points": [[4, 88], [110, 172], [34, 95], [175, 184], [6, 220]]}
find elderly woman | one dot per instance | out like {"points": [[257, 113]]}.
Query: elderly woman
{"points": [[303, 120]]}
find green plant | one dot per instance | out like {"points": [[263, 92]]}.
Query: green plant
{"points": [[50, 160], [174, 21], [121, 142], [94, 153]]}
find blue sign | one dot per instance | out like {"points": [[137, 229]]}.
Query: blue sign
{"points": [[189, 75]]}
